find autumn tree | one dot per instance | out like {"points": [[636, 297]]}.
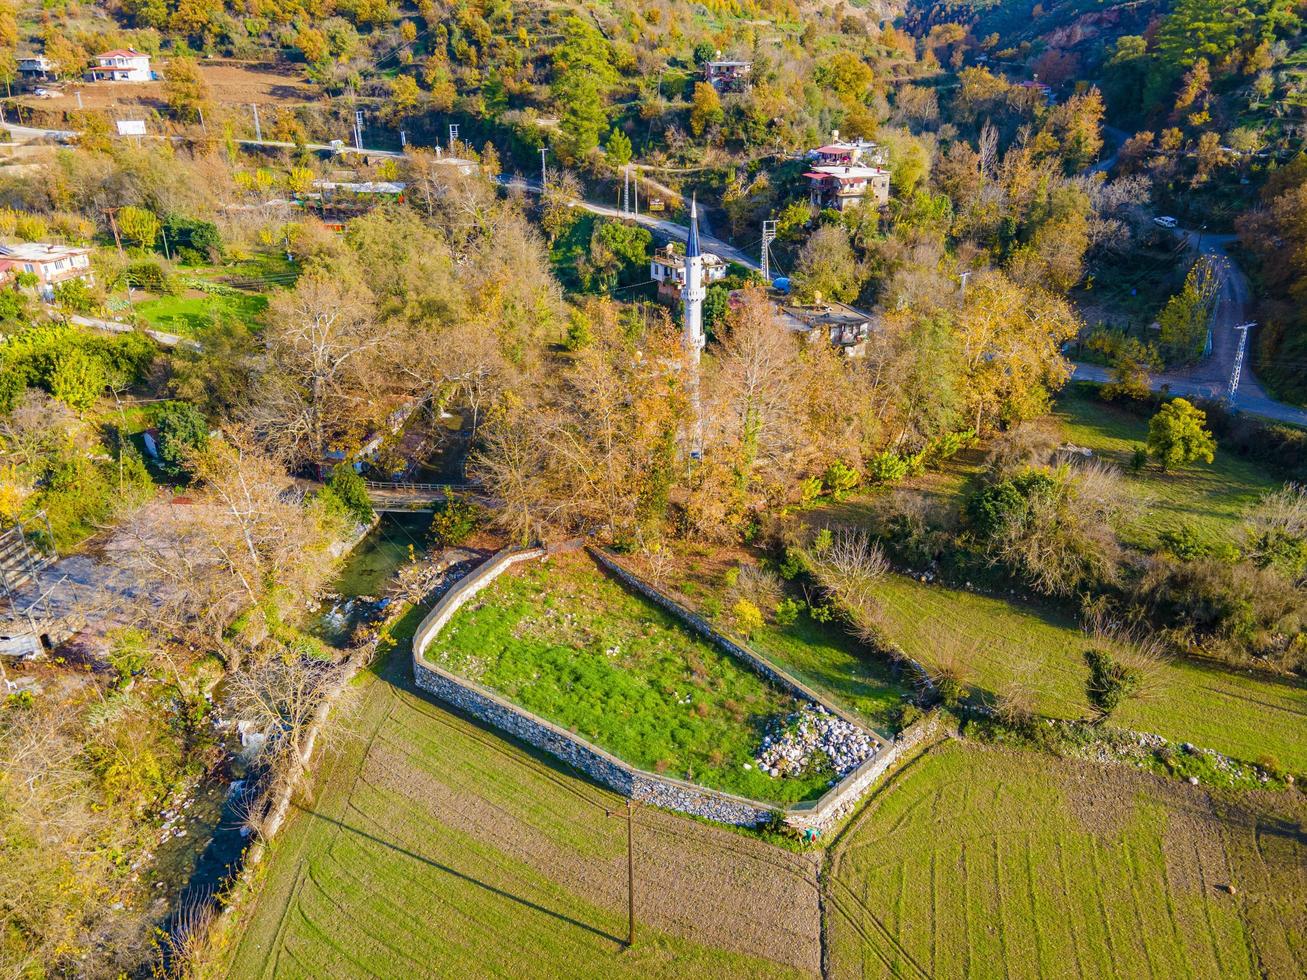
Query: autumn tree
{"points": [[1184, 320], [139, 225], [185, 89], [827, 267], [705, 109], [1177, 435]]}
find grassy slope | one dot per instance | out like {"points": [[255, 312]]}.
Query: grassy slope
{"points": [[1241, 714], [432, 847], [569, 643], [980, 861], [1208, 499], [186, 315]]}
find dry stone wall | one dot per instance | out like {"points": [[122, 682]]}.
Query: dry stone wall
{"points": [[664, 791]]}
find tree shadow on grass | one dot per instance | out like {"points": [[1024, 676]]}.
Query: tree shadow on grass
{"points": [[494, 890]]}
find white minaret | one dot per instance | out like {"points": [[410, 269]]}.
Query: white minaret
{"points": [[692, 297], [693, 293]]}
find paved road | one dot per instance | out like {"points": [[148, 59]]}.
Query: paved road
{"points": [[1210, 378], [668, 228]]}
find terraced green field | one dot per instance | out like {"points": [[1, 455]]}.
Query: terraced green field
{"points": [[1000, 641], [433, 847], [983, 862]]}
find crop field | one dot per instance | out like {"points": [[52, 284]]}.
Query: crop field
{"points": [[977, 861], [567, 642], [1000, 641], [433, 847], [1209, 500]]}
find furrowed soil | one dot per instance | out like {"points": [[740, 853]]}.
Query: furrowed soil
{"points": [[978, 861], [434, 847]]}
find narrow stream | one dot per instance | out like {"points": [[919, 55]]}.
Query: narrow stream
{"points": [[202, 838]]}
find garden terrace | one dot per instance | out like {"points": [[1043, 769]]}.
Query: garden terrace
{"points": [[570, 644]]}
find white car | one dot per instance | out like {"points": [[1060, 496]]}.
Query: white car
{"points": [[1164, 221], [47, 93]]}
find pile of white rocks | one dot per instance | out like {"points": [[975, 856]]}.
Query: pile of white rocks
{"points": [[791, 745]]}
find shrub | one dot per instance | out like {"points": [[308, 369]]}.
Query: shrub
{"points": [[840, 480], [1177, 435], [182, 429], [454, 522], [152, 275], [1110, 681], [888, 467], [906, 714], [787, 611], [747, 617], [1184, 543], [351, 490], [809, 492]]}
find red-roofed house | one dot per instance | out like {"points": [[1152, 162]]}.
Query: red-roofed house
{"points": [[846, 187], [845, 153], [122, 65]]}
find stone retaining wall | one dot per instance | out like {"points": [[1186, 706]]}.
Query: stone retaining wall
{"points": [[606, 769], [664, 791]]}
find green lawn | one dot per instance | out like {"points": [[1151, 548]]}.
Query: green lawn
{"points": [[978, 861], [567, 642], [1210, 500], [1212, 705], [188, 314], [432, 847]]}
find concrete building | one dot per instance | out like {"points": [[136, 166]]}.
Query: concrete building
{"points": [[844, 187], [37, 68], [728, 76], [121, 65], [667, 268], [846, 153], [51, 264]]}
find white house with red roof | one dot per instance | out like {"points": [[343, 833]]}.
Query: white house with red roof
{"points": [[846, 153], [846, 187], [121, 65]]}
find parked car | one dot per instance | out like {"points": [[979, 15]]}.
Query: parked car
{"points": [[47, 93], [1164, 221]]}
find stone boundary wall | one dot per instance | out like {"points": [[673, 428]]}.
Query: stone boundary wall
{"points": [[664, 791], [606, 769]]}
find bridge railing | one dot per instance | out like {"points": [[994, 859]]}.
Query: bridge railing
{"points": [[404, 486]]}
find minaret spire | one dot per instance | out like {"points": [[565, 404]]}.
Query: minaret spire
{"points": [[692, 296]]}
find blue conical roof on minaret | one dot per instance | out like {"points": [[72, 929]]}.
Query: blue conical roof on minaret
{"points": [[692, 244]]}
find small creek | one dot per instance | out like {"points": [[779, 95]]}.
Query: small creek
{"points": [[202, 838]]}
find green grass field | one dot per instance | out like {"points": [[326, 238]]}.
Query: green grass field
{"points": [[977, 861], [1001, 641], [186, 315], [1209, 500], [433, 847], [567, 642]]}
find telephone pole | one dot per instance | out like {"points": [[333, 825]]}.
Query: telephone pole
{"points": [[626, 189], [544, 177], [1237, 370], [768, 236], [113, 223], [358, 129], [453, 136], [258, 130], [964, 276]]}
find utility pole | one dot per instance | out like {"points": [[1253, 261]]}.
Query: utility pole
{"points": [[113, 223], [544, 179], [768, 236], [166, 254], [626, 189], [403, 139], [258, 130], [203, 128], [79, 99], [358, 129], [453, 136], [630, 874], [964, 276], [635, 192], [1237, 370]]}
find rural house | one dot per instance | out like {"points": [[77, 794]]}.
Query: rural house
{"points": [[845, 153], [728, 76], [51, 264], [667, 268], [37, 68], [845, 187], [121, 65]]}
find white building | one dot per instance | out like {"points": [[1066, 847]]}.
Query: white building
{"points": [[122, 65], [51, 264], [842, 188], [37, 68], [845, 153], [667, 268]]}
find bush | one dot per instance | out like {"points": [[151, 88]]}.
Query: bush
{"points": [[182, 429], [906, 714], [747, 617], [1177, 434], [888, 467], [351, 490], [787, 611], [1110, 681], [454, 522], [1184, 543], [840, 480], [152, 275]]}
